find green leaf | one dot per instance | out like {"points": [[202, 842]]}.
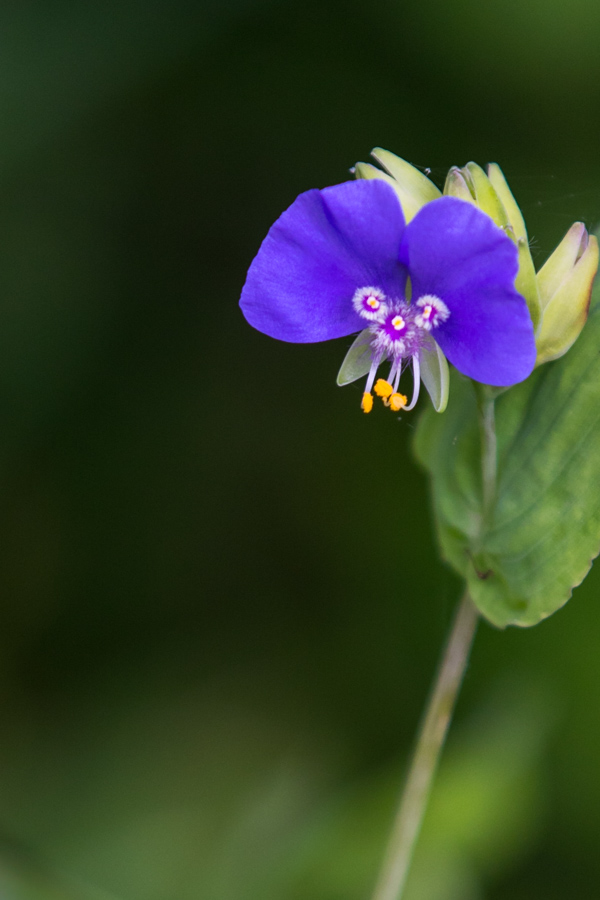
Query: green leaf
{"points": [[544, 529]]}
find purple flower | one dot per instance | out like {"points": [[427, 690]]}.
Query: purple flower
{"points": [[339, 261]]}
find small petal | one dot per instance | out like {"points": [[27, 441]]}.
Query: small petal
{"points": [[326, 245], [455, 252], [435, 375], [358, 359]]}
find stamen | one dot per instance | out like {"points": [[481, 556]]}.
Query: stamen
{"points": [[416, 383], [433, 312], [366, 403], [398, 402], [372, 373], [383, 388], [370, 303]]}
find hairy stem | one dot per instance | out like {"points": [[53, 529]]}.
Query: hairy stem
{"points": [[427, 753]]}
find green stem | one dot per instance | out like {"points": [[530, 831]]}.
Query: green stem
{"points": [[445, 690], [427, 753]]}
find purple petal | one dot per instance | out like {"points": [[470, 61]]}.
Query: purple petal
{"points": [[318, 253], [457, 253]]}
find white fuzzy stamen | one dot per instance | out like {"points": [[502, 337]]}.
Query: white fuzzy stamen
{"points": [[370, 303], [433, 312]]}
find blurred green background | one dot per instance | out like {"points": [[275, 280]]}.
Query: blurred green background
{"points": [[221, 602]]}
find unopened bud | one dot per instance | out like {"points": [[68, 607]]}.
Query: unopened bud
{"points": [[565, 286]]}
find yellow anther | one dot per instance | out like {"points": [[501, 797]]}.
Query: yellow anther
{"points": [[383, 388], [397, 402], [366, 403], [373, 302], [398, 323]]}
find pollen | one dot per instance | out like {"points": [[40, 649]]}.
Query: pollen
{"points": [[367, 402], [373, 302], [383, 388], [398, 323], [397, 402]]}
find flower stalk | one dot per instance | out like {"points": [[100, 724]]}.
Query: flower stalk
{"points": [[434, 728], [439, 710]]}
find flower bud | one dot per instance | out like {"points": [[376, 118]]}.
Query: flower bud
{"points": [[492, 195], [413, 188], [565, 286], [456, 186]]}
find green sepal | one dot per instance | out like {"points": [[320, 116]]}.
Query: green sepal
{"points": [[506, 198], [543, 529], [486, 197], [435, 375], [357, 361], [526, 282], [368, 171]]}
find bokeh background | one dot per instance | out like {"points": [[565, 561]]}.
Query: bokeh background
{"points": [[221, 604]]}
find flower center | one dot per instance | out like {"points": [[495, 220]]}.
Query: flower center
{"points": [[397, 332]]}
